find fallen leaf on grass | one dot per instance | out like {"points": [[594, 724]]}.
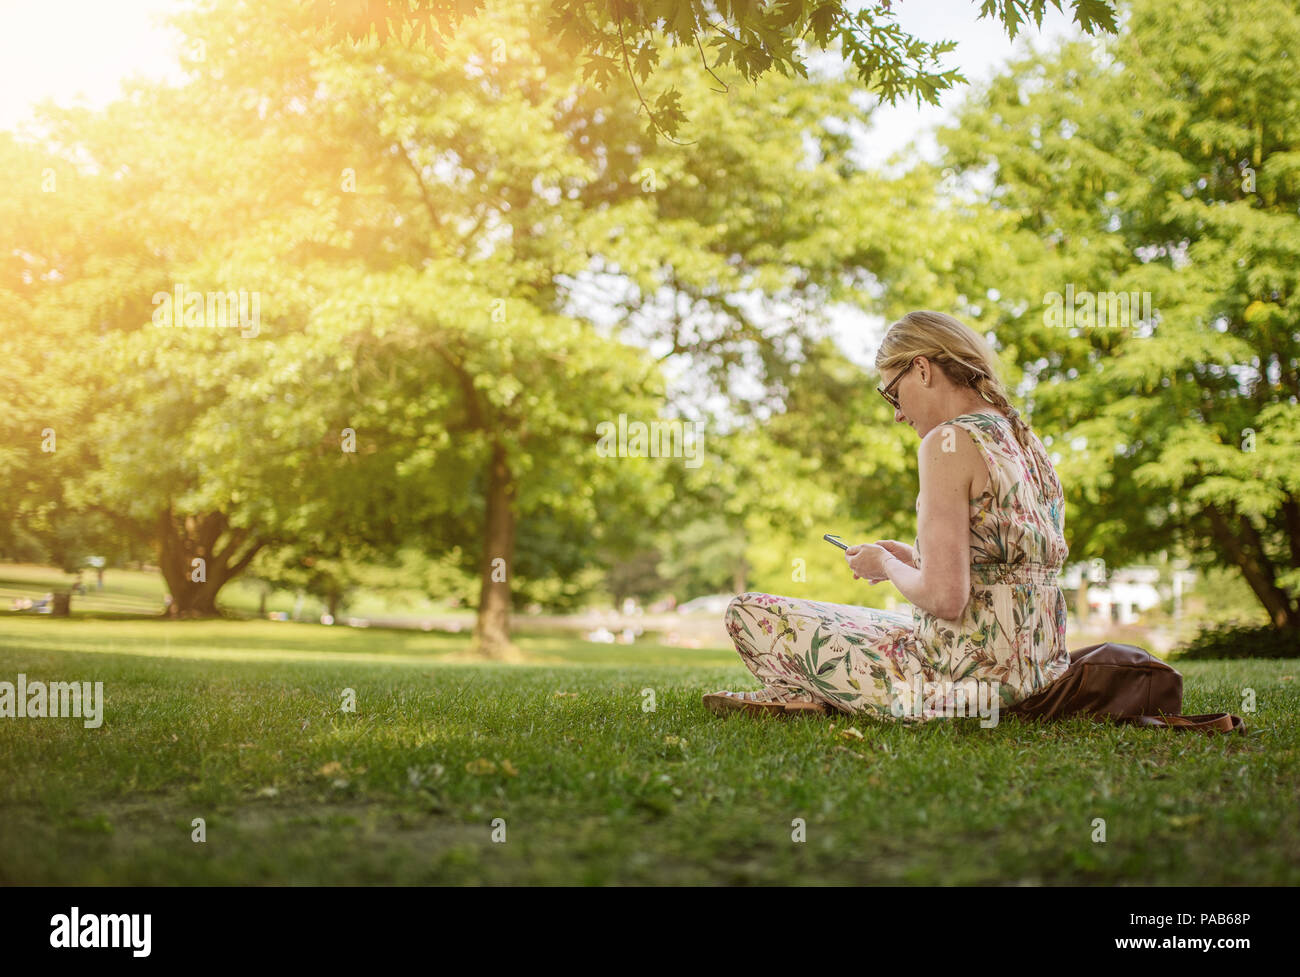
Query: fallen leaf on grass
{"points": [[849, 733], [483, 766], [330, 768]]}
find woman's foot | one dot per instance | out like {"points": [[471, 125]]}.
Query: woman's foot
{"points": [[766, 694], [766, 700]]}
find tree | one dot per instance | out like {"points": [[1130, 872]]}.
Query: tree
{"points": [[421, 233], [625, 37], [1154, 170], [509, 193], [831, 460], [401, 391]]}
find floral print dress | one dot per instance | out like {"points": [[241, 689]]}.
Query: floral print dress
{"points": [[1010, 636]]}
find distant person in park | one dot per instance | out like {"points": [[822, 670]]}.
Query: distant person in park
{"points": [[990, 524]]}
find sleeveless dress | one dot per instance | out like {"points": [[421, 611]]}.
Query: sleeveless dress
{"points": [[1010, 637]]}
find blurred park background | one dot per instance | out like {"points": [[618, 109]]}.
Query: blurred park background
{"points": [[459, 339], [393, 395]]}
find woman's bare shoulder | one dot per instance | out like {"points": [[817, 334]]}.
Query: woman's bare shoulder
{"points": [[950, 452]]}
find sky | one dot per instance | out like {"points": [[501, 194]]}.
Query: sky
{"points": [[63, 49], [982, 48], [79, 51]]}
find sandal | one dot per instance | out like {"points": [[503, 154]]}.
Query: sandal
{"points": [[764, 701]]}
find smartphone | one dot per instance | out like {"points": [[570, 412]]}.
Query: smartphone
{"points": [[830, 538]]}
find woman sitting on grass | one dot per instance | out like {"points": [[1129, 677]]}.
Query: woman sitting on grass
{"points": [[990, 522]]}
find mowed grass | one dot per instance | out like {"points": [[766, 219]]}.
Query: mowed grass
{"points": [[239, 723], [126, 592]]}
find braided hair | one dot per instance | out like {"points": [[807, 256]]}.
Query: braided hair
{"points": [[964, 356]]}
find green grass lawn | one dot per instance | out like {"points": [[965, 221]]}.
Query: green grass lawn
{"points": [[239, 723], [127, 592]]}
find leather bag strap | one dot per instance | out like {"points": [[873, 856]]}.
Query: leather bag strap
{"points": [[1210, 722]]}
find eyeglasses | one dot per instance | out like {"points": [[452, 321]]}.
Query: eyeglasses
{"points": [[886, 391]]}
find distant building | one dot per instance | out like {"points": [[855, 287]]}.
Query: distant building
{"points": [[1125, 592]]}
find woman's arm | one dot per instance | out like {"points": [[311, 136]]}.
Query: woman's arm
{"points": [[942, 586]]}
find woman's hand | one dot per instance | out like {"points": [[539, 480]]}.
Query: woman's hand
{"points": [[901, 550], [867, 560]]}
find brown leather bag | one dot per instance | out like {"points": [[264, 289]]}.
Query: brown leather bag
{"points": [[1123, 683]]}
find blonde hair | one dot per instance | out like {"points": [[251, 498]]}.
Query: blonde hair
{"points": [[954, 347]]}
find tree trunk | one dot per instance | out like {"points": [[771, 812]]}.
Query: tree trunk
{"points": [[492, 627], [224, 553], [1237, 537], [739, 576]]}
